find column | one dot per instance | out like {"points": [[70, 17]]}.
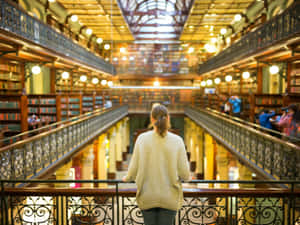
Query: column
{"points": [[87, 165], [127, 130], [63, 173], [247, 204], [200, 153], [187, 136], [125, 139], [209, 158], [112, 154], [119, 143], [222, 162], [102, 165], [193, 140]]}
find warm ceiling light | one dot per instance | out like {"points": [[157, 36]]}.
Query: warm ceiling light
{"points": [[83, 78], [65, 75], [228, 40], [122, 27], [213, 40], [103, 82], [274, 69], [95, 80], [122, 50], [223, 31], [237, 17], [106, 59], [203, 83], [74, 18], [124, 58], [191, 50], [211, 34], [115, 59], [131, 58], [209, 82], [106, 46], [191, 27], [211, 28], [36, 70], [210, 48], [156, 83], [206, 26], [228, 78], [110, 83], [89, 31], [246, 75], [51, 1], [217, 80], [99, 40]]}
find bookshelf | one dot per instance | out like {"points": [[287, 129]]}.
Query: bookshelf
{"points": [[13, 114], [267, 101], [71, 105], [11, 77], [295, 79], [44, 106], [88, 103]]}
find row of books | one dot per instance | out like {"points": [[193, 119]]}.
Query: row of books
{"points": [[9, 104], [10, 67], [70, 113], [42, 110], [10, 85], [10, 116], [270, 101], [10, 76], [13, 127]]}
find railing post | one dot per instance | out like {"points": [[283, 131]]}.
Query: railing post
{"points": [[118, 204]]}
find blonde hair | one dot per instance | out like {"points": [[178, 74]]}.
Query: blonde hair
{"points": [[160, 114]]}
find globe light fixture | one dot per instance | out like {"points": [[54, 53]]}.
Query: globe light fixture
{"points": [[131, 58], [217, 80], [99, 40], [203, 83], [51, 1], [274, 69], [95, 80], [74, 18], [110, 83], [65, 75], [156, 83], [245, 75], [237, 17], [122, 50], [103, 82], [223, 31], [36, 69], [228, 78], [115, 59], [106, 46], [213, 40], [209, 82], [89, 31], [191, 50], [124, 58], [83, 78]]}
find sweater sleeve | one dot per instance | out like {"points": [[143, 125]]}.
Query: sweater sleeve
{"points": [[183, 164], [133, 165]]}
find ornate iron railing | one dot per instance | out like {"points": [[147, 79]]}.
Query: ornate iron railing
{"points": [[279, 28], [114, 206], [18, 22], [270, 156], [35, 155]]}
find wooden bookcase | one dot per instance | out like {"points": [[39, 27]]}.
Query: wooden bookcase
{"points": [[295, 79], [44, 106], [71, 105], [11, 77], [88, 103], [13, 114]]}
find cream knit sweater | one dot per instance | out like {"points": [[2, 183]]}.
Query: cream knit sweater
{"points": [[157, 166]]}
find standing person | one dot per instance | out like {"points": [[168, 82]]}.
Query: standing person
{"points": [[264, 118], [158, 165], [236, 105], [286, 119]]}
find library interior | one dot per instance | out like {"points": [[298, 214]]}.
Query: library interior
{"points": [[78, 81]]}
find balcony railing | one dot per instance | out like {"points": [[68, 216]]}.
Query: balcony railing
{"points": [[18, 22], [270, 156], [33, 156], [278, 29], [116, 206]]}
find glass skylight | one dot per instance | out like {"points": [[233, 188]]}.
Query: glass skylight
{"points": [[146, 16]]}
